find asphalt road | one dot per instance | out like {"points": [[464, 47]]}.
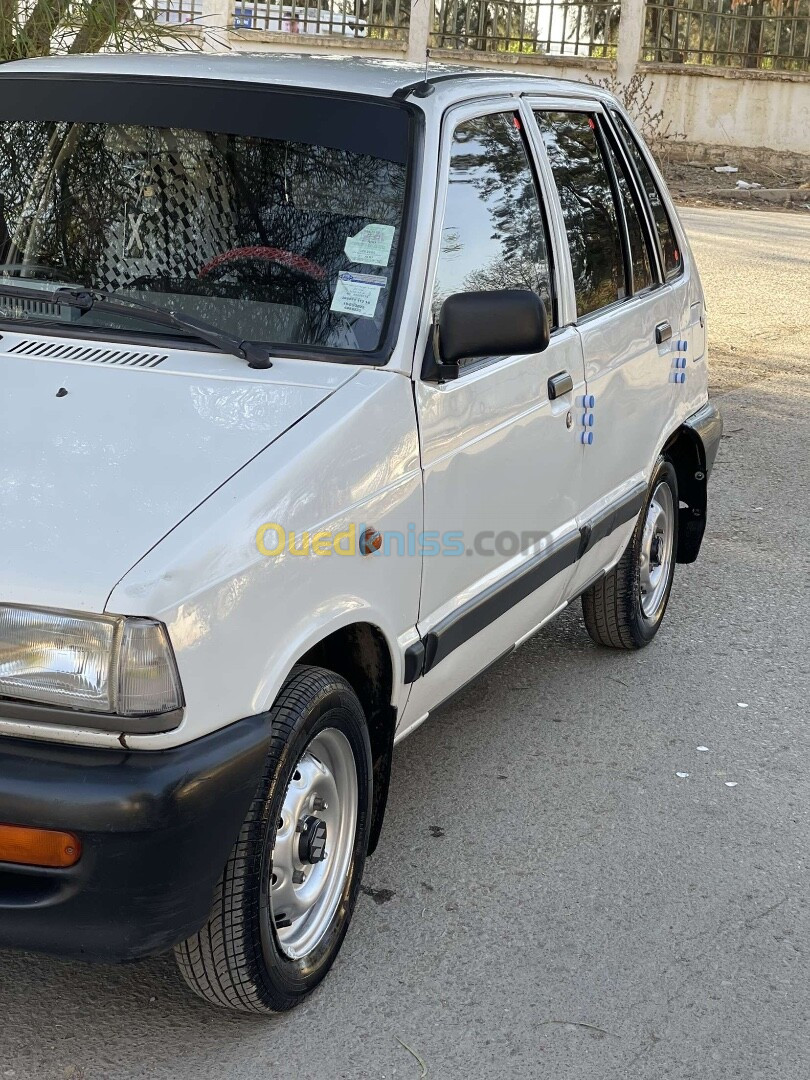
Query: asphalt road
{"points": [[550, 898]]}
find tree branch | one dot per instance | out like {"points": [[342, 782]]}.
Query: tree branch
{"points": [[8, 24], [100, 21], [34, 38]]}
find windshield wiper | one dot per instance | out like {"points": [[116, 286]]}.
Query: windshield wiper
{"points": [[85, 300]]}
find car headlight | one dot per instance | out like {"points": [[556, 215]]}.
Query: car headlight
{"points": [[94, 663]]}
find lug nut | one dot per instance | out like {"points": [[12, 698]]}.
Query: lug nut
{"points": [[318, 803], [298, 877]]}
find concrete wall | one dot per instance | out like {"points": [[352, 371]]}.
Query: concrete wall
{"points": [[728, 108]]}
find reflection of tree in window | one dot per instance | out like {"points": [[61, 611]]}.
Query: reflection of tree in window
{"points": [[672, 257], [588, 208], [145, 209], [493, 235], [639, 253]]}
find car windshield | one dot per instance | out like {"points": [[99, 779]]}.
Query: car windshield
{"points": [[287, 240]]}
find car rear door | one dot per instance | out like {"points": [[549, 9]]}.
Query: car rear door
{"points": [[628, 317]]}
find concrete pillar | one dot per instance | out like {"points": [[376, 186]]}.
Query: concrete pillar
{"points": [[421, 26], [217, 17], [631, 37]]}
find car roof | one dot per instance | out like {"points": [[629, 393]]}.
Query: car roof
{"points": [[337, 73]]}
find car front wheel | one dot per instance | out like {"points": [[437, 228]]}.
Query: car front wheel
{"points": [[285, 899], [626, 607]]}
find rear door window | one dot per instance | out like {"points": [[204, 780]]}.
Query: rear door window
{"points": [[673, 263], [589, 210]]}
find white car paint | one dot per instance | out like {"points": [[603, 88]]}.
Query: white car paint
{"points": [[151, 484], [115, 463]]}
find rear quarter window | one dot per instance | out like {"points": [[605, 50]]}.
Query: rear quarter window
{"points": [[673, 262]]}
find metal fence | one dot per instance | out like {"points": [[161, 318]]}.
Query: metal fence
{"points": [[553, 27], [177, 12], [770, 34], [353, 18], [348, 18]]}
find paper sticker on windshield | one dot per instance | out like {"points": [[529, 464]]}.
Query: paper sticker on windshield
{"points": [[357, 294], [372, 245]]}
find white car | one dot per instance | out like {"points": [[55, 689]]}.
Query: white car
{"points": [[297, 20], [324, 386]]}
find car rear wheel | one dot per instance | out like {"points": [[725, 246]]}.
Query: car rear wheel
{"points": [[626, 607], [285, 899]]}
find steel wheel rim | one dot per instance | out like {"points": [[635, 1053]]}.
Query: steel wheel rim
{"points": [[304, 895], [655, 557]]}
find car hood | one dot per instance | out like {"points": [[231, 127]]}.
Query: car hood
{"points": [[102, 455]]}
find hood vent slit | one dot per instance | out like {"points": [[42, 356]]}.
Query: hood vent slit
{"points": [[87, 354]]}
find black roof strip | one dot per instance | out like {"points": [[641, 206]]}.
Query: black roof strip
{"points": [[424, 87]]}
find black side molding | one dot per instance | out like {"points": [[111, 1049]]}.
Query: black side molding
{"points": [[612, 517], [414, 661], [458, 628], [420, 657]]}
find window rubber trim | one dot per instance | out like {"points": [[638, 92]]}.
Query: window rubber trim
{"points": [[651, 237], [625, 132], [609, 147]]}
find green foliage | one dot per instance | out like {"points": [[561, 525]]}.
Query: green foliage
{"points": [[496, 26], [768, 34]]}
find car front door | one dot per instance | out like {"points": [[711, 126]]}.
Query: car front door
{"points": [[626, 315], [501, 457]]}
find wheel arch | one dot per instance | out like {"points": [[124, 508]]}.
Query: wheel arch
{"points": [[360, 653]]}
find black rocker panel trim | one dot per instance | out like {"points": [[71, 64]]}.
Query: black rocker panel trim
{"points": [[458, 628], [610, 519], [414, 661]]}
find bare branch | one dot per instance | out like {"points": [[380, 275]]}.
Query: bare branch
{"points": [[102, 18]]}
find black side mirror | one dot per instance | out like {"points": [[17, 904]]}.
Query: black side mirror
{"points": [[478, 324]]}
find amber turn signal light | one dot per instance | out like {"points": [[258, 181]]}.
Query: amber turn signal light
{"points": [[38, 847]]}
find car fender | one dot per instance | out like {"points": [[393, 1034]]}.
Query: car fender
{"points": [[238, 619]]}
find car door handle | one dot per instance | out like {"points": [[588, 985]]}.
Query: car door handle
{"points": [[663, 332], [560, 384]]}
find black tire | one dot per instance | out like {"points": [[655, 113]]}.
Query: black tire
{"points": [[236, 960], [613, 606]]}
